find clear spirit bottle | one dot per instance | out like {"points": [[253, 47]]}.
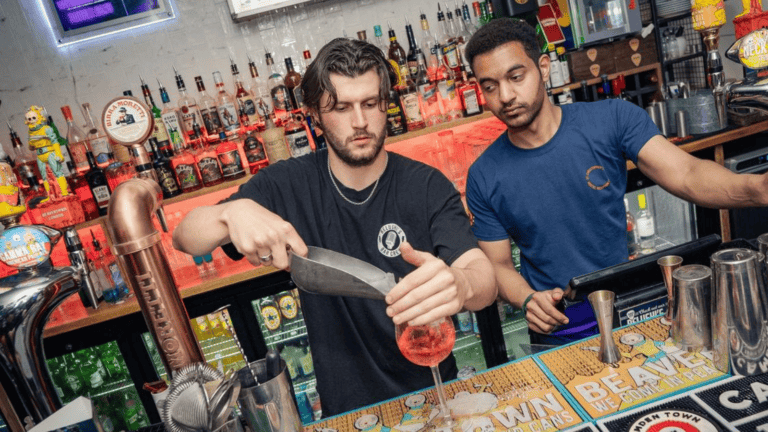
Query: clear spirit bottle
{"points": [[189, 110], [227, 106], [78, 141], [97, 139], [209, 112]]}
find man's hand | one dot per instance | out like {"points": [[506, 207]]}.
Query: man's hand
{"points": [[541, 312], [432, 291], [260, 235]]}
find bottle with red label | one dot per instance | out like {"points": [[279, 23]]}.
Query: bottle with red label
{"points": [[208, 164], [230, 159], [97, 181], [254, 151], [79, 184], [185, 166]]}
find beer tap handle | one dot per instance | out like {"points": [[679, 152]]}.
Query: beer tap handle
{"points": [[160, 213]]}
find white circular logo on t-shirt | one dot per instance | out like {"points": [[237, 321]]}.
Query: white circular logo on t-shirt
{"points": [[391, 236]]}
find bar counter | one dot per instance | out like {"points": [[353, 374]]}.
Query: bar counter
{"points": [[654, 387]]}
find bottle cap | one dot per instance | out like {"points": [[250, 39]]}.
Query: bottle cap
{"points": [[641, 201], [560, 50]]}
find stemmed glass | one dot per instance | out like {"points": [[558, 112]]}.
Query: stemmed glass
{"points": [[428, 345]]}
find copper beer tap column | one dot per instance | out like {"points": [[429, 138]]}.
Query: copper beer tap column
{"points": [[137, 244]]}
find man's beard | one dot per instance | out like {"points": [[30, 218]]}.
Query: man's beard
{"points": [[346, 153], [530, 114]]}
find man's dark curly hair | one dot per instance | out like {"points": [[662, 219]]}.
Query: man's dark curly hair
{"points": [[499, 32]]}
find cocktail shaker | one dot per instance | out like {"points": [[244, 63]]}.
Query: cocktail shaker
{"points": [[691, 329], [739, 312]]}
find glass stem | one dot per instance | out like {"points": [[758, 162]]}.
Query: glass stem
{"points": [[444, 412]]}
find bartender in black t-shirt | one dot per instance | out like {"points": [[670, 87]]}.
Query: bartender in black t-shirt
{"points": [[395, 213]]}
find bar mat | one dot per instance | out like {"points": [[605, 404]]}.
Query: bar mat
{"points": [[680, 414], [741, 401]]}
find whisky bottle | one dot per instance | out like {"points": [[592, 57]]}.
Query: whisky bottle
{"points": [[274, 143], [280, 98], [296, 136], [172, 120], [97, 181], [209, 112], [414, 53], [184, 166], [230, 160], [190, 112], [97, 139], [226, 105], [77, 139], [293, 84], [396, 56], [396, 123], [254, 151], [261, 95], [165, 175], [159, 133], [243, 96]]}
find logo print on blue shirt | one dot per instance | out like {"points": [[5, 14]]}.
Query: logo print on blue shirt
{"points": [[597, 174]]}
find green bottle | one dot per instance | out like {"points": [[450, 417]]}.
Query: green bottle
{"points": [[74, 381], [89, 371], [110, 356], [133, 413]]}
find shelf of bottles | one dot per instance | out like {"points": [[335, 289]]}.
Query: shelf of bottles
{"points": [[100, 373], [281, 322]]}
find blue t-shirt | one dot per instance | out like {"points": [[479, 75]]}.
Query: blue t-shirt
{"points": [[562, 203]]}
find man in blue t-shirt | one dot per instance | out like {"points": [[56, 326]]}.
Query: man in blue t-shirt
{"points": [[554, 181]]}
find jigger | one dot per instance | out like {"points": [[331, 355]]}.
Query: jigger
{"points": [[602, 304], [669, 264]]}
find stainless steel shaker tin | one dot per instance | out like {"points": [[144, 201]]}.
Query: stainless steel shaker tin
{"points": [[739, 310], [691, 330]]}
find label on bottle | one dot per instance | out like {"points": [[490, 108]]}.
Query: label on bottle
{"points": [[231, 165], [173, 128], [96, 380], [254, 150], [187, 176], [471, 105], [396, 67], [307, 367], [429, 93], [447, 89], [249, 108], [73, 381], [271, 317], [101, 194], [160, 134], [77, 150], [264, 104], [100, 149], [451, 54], [395, 119], [229, 116], [645, 227], [189, 115], [166, 180], [275, 146], [280, 98], [413, 69], [298, 142], [405, 72], [411, 108], [288, 306], [209, 169], [298, 98], [211, 120]]}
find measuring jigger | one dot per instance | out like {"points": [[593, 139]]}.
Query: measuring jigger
{"points": [[739, 312]]}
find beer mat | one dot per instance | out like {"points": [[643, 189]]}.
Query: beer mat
{"points": [[651, 368], [517, 396], [739, 400], [586, 427], [677, 414]]}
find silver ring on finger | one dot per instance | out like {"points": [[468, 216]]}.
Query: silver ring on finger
{"points": [[266, 258]]}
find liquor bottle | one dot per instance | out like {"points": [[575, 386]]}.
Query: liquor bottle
{"points": [[63, 144], [261, 95], [462, 36], [190, 112], [226, 105], [413, 52], [159, 132], [586, 94], [208, 164], [274, 143], [565, 97], [469, 23], [379, 41], [184, 166], [318, 138], [243, 96], [34, 196], [97, 181], [24, 162], [605, 87], [450, 53], [117, 277], [396, 56], [254, 151], [409, 94], [396, 122], [361, 35], [270, 314], [296, 136], [165, 174], [209, 112], [118, 170], [450, 103], [429, 99], [469, 95], [632, 245], [563, 57], [293, 84], [133, 414], [280, 99], [430, 47], [230, 160], [109, 289], [491, 15], [79, 184], [646, 229], [78, 141], [555, 73], [97, 139], [479, 12], [172, 120]]}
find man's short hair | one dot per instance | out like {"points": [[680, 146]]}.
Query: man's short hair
{"points": [[350, 58], [499, 32]]}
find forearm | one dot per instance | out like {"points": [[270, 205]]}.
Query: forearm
{"points": [[201, 231], [513, 288], [478, 277], [709, 184]]}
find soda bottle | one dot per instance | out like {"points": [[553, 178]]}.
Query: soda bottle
{"points": [[133, 413]]}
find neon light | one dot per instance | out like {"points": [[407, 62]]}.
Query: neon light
{"points": [[90, 13], [71, 4]]}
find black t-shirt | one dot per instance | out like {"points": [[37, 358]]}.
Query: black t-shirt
{"points": [[357, 361]]}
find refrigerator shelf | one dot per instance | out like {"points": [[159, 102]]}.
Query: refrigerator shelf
{"points": [[296, 332], [114, 388]]}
